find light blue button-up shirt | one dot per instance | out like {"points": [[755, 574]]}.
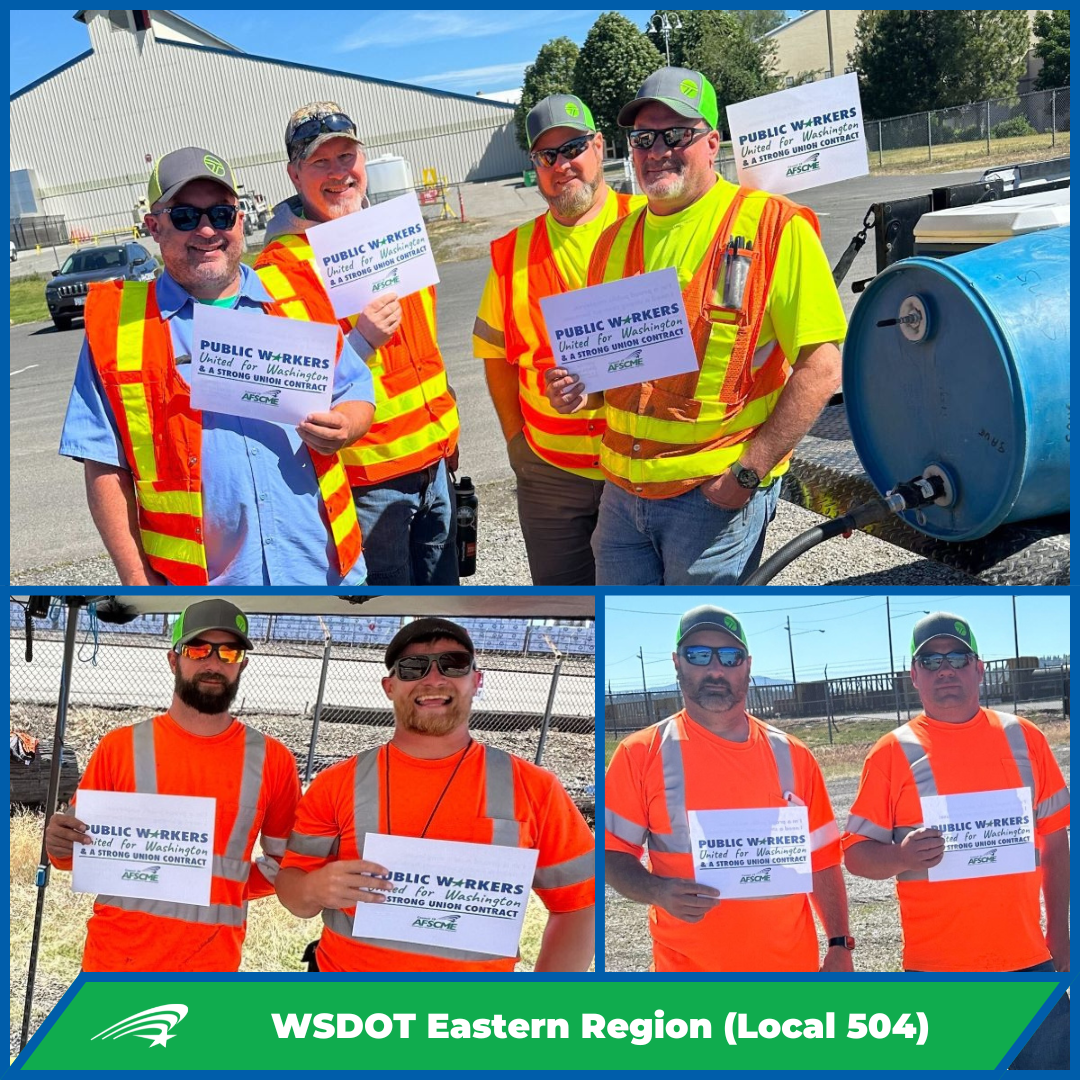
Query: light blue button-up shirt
{"points": [[261, 508]]}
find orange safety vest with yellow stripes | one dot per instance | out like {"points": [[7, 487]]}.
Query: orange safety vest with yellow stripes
{"points": [[131, 348], [666, 437], [526, 268], [416, 418]]}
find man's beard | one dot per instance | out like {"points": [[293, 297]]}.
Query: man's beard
{"points": [[577, 200], [430, 722], [206, 696], [716, 695]]}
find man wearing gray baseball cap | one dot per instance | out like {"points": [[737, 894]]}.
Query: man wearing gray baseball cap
{"points": [[399, 472], [555, 459], [195, 749], [969, 910], [714, 756], [202, 497], [692, 461]]}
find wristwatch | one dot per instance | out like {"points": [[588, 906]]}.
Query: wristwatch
{"points": [[745, 477], [844, 943]]}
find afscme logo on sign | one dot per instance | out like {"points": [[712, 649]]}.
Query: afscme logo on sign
{"points": [[155, 1024]]}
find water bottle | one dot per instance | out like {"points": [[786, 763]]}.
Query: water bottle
{"points": [[468, 506]]}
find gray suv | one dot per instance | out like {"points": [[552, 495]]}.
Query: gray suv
{"points": [[66, 292]]}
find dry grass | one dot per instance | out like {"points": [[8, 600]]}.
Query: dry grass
{"points": [[948, 156]]}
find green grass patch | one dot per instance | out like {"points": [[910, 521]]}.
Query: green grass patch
{"points": [[28, 299]]}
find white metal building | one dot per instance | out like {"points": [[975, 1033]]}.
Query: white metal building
{"points": [[84, 136]]}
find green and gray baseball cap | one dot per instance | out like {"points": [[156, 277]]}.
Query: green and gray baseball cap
{"points": [[941, 624], [708, 617], [558, 110], [684, 91], [174, 170], [216, 614]]}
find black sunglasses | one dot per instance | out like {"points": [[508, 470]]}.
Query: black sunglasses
{"points": [[570, 149], [313, 126], [675, 138], [933, 661], [701, 655], [454, 665], [189, 218]]}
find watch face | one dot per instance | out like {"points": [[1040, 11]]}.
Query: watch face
{"points": [[747, 478]]}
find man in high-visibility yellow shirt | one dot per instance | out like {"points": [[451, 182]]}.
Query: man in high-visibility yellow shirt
{"points": [[692, 461], [555, 458]]}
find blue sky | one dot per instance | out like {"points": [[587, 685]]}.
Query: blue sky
{"points": [[854, 640], [463, 51]]}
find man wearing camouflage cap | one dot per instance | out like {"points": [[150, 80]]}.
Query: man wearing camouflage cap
{"points": [[399, 470], [194, 749], [555, 458], [189, 497], [713, 755], [990, 920], [692, 461]]}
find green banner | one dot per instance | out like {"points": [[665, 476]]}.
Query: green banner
{"points": [[518, 1025]]}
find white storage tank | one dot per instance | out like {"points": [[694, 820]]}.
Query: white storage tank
{"points": [[389, 173]]}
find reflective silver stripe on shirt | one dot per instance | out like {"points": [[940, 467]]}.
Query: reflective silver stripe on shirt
{"points": [[1014, 733], [781, 748], [274, 845], [213, 915], [499, 797], [571, 872], [365, 796], [859, 826], [917, 760], [231, 869], [318, 847], [677, 842], [337, 922], [1049, 807], [250, 786], [626, 830], [825, 834], [142, 742]]}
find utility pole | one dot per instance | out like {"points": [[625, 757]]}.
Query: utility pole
{"points": [[791, 654], [1016, 661], [645, 688], [892, 664]]}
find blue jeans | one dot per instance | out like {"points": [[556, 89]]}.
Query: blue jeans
{"points": [[408, 527], [685, 540], [1048, 1048]]}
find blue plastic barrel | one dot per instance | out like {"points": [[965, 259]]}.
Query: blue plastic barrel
{"points": [[963, 364]]}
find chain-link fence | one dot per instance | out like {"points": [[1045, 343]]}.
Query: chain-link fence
{"points": [[1021, 686], [314, 683], [1021, 124]]}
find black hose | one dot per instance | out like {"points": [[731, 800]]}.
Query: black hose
{"points": [[865, 514]]}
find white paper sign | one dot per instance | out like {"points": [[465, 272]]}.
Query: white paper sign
{"points": [[159, 847], [384, 249], [746, 853], [800, 138], [245, 363], [451, 894], [628, 331], [987, 833]]}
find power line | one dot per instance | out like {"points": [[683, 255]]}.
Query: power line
{"points": [[761, 611]]}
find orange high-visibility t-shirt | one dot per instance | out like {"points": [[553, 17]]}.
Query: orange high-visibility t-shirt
{"points": [[549, 821], [971, 924], [766, 934], [187, 764]]}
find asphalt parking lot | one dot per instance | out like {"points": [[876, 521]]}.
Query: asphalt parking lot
{"points": [[54, 541]]}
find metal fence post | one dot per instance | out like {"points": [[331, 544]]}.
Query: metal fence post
{"points": [[880, 154], [318, 703], [550, 705], [987, 127], [1053, 118], [929, 140]]}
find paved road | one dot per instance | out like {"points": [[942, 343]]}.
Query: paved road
{"points": [[51, 527]]}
